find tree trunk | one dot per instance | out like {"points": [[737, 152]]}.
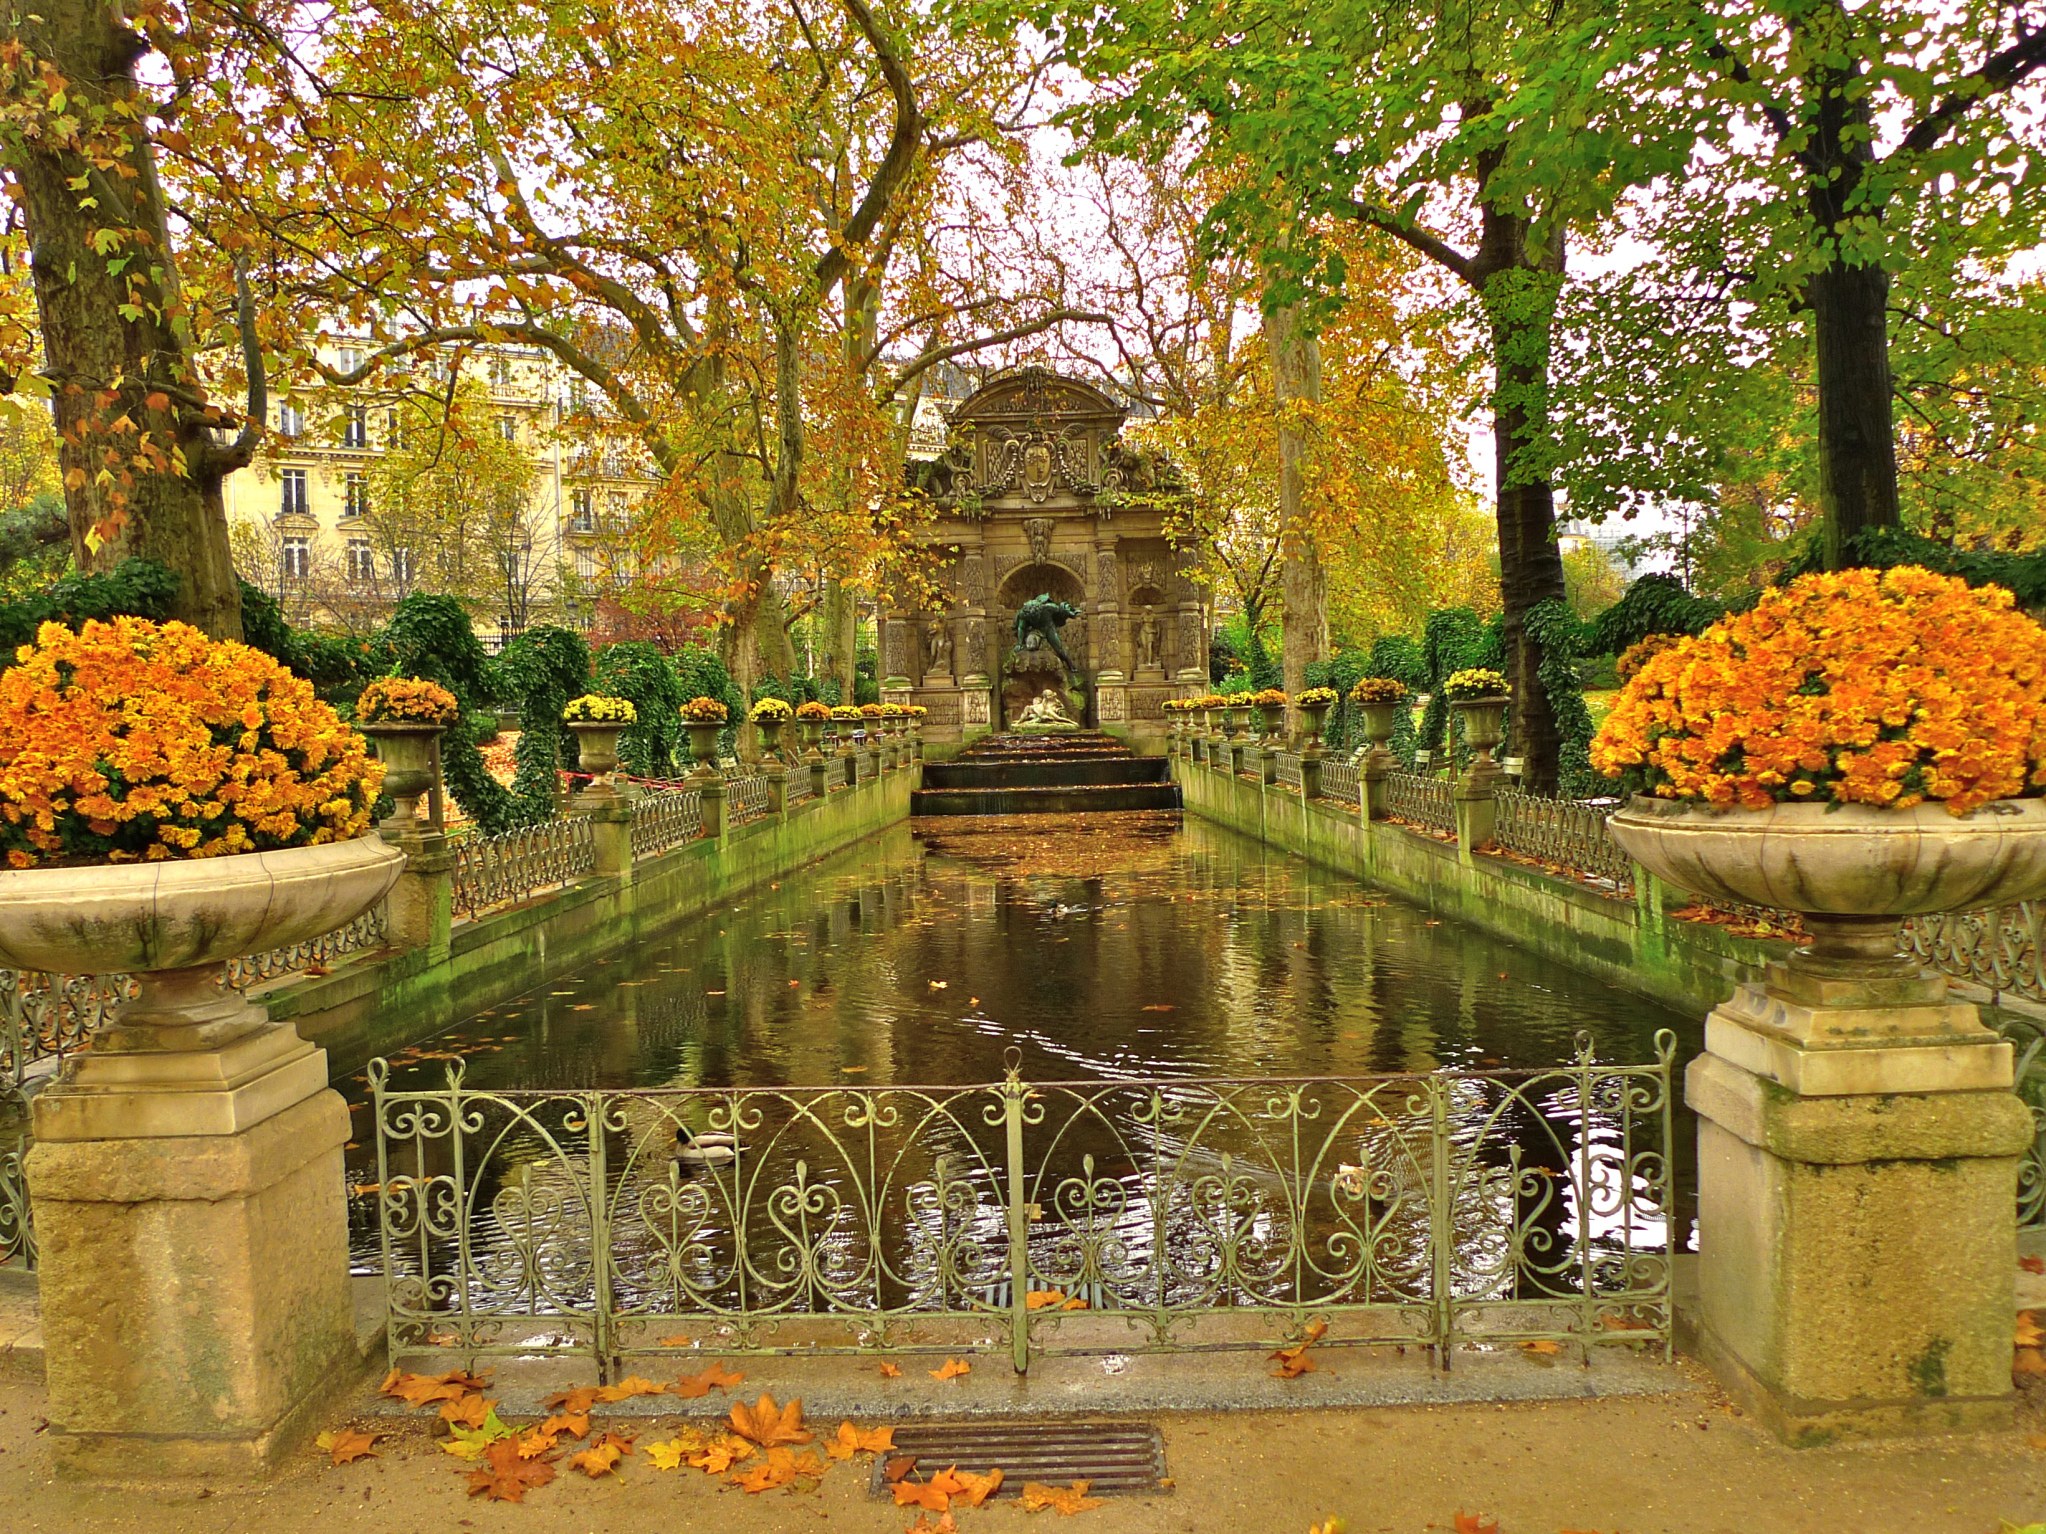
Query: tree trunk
{"points": [[1519, 296], [1296, 381], [141, 468], [838, 614]]}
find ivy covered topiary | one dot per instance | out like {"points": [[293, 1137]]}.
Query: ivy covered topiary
{"points": [[635, 670], [542, 669], [1655, 603], [135, 588], [430, 637], [1555, 628]]}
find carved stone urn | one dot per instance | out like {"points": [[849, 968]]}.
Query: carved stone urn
{"points": [[1484, 726], [596, 749], [406, 750]]}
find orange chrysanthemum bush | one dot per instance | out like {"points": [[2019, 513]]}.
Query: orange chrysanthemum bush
{"points": [[134, 741], [1886, 688]]}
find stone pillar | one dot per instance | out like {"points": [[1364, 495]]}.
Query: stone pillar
{"points": [[1375, 794], [710, 799], [1477, 812], [1858, 1147], [1310, 779], [419, 912], [777, 790], [1268, 760], [609, 813], [819, 787]]}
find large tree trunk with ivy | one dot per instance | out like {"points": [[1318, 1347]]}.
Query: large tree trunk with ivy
{"points": [[142, 467], [838, 620], [1518, 283], [1296, 385]]}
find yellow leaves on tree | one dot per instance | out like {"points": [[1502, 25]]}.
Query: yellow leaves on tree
{"points": [[769, 1425], [1063, 1500]]}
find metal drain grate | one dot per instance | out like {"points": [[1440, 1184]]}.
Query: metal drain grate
{"points": [[1114, 1457]]}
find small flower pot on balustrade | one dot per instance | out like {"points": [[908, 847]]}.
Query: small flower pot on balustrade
{"points": [[1484, 726], [703, 746], [770, 738], [596, 751], [406, 750], [1313, 722], [812, 731], [1380, 720], [1272, 716]]}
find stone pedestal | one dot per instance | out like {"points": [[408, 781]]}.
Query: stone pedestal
{"points": [[194, 1256], [1858, 1148], [1373, 778], [610, 816], [1477, 812], [419, 912]]}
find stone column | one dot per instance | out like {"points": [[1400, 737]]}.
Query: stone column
{"points": [[900, 644], [777, 789], [710, 799], [1477, 812], [1858, 1146], [1111, 680], [1375, 793], [419, 912], [609, 813]]}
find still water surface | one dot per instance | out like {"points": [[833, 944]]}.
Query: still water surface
{"points": [[1109, 947]]}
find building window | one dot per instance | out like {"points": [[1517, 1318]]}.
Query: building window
{"points": [[354, 495], [355, 427], [394, 430], [500, 373], [347, 360], [294, 500], [508, 427], [401, 569], [362, 562], [290, 421], [585, 565], [582, 512], [578, 393], [298, 557], [614, 463]]}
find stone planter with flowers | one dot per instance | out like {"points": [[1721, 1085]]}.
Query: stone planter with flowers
{"points": [[811, 718], [769, 715], [598, 721], [705, 719], [169, 802], [403, 718], [1859, 747], [1314, 704], [1480, 697]]}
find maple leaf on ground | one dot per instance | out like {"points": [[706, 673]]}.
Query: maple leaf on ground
{"points": [[1329, 1526], [1542, 1347], [891, 1371], [680, 1340], [934, 1495], [574, 1403], [574, 1424], [720, 1454], [781, 1467], [426, 1389], [1039, 1299], [345, 1445], [626, 1389], [2033, 1264], [674, 1454], [951, 1369], [472, 1442], [767, 1424], [2029, 1333], [976, 1489], [505, 1477], [1063, 1500], [851, 1440], [716, 1377], [898, 1467], [468, 1410], [602, 1456], [1475, 1523], [946, 1524]]}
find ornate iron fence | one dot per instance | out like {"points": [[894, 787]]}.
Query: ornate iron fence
{"points": [[496, 870], [746, 798], [366, 933], [1339, 782], [1436, 1209], [665, 818], [1568, 833], [2000, 950], [1420, 799], [799, 782], [1286, 768], [839, 772]]}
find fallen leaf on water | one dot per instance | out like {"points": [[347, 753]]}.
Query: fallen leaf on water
{"points": [[473, 1443], [602, 1456], [425, 1389], [891, 1371], [345, 1445], [1158, 1006], [951, 1369], [1475, 1523], [767, 1424], [1063, 1500], [626, 1389], [716, 1377], [852, 1440], [853, 1070], [504, 1477], [782, 1467]]}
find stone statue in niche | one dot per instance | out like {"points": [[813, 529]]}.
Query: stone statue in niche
{"points": [[1150, 640], [1038, 622], [938, 648], [1038, 531]]}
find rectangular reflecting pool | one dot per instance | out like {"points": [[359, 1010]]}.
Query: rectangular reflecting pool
{"points": [[1095, 949]]}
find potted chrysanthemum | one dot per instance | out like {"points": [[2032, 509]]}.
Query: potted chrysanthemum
{"points": [[811, 717], [704, 718], [404, 717], [768, 716], [1314, 704], [168, 802], [1270, 703], [598, 720], [1378, 700], [1858, 747], [1480, 696]]}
